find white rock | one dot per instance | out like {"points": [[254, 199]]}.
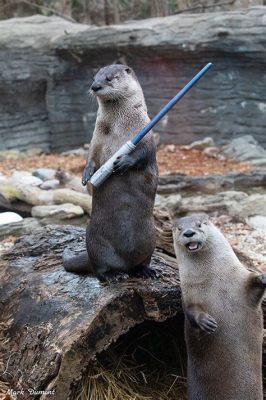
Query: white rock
{"points": [[214, 152], [51, 184], [200, 144], [60, 211], [25, 178], [3, 178], [9, 218]]}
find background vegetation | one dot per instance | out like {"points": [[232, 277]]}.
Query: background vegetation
{"points": [[105, 12]]}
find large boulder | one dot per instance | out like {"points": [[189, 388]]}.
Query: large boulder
{"points": [[246, 148], [47, 64]]}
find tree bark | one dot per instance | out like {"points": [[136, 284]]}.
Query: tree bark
{"points": [[59, 320], [159, 8]]}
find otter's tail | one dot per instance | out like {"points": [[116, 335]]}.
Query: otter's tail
{"points": [[78, 263]]}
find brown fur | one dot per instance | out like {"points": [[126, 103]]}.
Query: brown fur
{"points": [[121, 234], [222, 305]]}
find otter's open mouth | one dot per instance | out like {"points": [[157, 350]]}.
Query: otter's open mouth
{"points": [[194, 246]]}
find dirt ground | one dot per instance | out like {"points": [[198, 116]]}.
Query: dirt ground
{"points": [[170, 158]]}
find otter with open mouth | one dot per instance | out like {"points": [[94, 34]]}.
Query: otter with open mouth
{"points": [[223, 314]]}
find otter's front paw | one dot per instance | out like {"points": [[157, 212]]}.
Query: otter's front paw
{"points": [[88, 172], [207, 323], [123, 163]]}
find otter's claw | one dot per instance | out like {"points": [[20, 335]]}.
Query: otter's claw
{"points": [[123, 163], [87, 173], [207, 323]]}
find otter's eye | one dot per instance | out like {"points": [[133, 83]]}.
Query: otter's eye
{"points": [[128, 70], [108, 78], [179, 228], [199, 224]]}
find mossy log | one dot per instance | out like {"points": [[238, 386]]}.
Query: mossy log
{"points": [[57, 321]]}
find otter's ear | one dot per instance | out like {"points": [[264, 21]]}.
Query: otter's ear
{"points": [[128, 70]]}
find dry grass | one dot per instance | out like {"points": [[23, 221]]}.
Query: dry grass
{"points": [[3, 342], [123, 378]]}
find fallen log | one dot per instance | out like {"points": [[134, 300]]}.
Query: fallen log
{"points": [[57, 322], [178, 183]]}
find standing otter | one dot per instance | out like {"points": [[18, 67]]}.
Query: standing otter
{"points": [[223, 315], [121, 235]]}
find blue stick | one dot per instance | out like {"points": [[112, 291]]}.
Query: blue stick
{"points": [[170, 105], [106, 169]]}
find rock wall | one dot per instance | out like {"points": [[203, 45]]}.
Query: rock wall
{"points": [[46, 66]]}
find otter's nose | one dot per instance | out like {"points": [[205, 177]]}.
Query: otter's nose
{"points": [[96, 86], [189, 233]]}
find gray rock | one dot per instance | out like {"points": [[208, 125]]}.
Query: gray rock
{"points": [[233, 203], [61, 211], [220, 202], [50, 185], [259, 164], [245, 148], [249, 206], [211, 184], [44, 174], [23, 227], [258, 222], [47, 63], [25, 178]]}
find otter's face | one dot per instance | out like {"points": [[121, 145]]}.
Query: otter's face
{"points": [[114, 81], [191, 232]]}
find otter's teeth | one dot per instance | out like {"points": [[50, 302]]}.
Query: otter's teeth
{"points": [[193, 246]]}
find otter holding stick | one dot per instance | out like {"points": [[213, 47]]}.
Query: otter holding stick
{"points": [[223, 315], [121, 235]]}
